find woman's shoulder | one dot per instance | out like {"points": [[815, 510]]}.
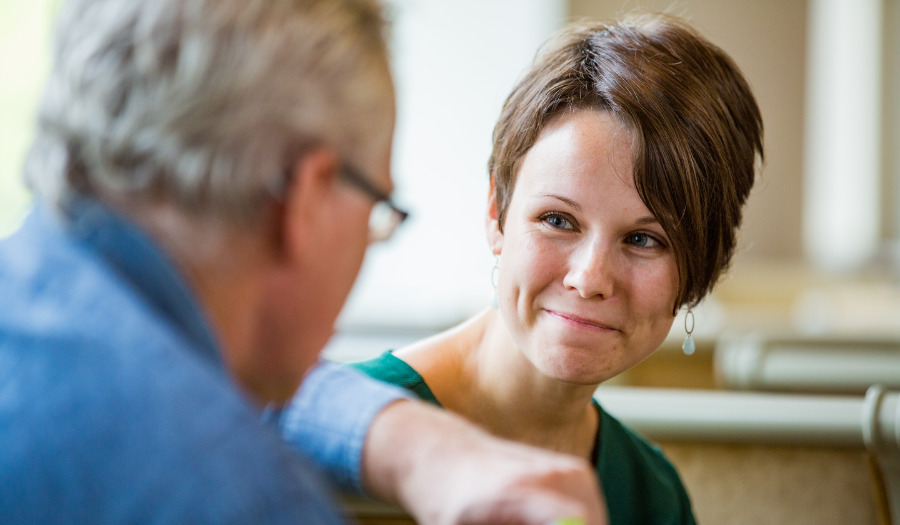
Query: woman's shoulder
{"points": [[391, 369], [634, 470], [386, 367]]}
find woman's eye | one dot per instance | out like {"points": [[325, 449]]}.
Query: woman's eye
{"points": [[643, 240], [557, 221]]}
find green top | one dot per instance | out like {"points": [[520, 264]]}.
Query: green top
{"points": [[639, 483]]}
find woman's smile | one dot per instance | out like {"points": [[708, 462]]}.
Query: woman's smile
{"points": [[580, 322]]}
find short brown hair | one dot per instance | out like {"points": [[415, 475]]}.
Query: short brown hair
{"points": [[696, 125]]}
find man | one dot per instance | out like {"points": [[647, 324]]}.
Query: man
{"points": [[205, 172]]}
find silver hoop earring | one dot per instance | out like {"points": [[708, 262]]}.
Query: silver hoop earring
{"points": [[688, 346], [494, 301]]}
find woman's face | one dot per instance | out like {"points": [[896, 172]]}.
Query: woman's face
{"points": [[587, 276]]}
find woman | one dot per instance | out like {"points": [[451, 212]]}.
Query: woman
{"points": [[620, 165]]}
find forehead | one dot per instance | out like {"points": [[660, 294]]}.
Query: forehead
{"points": [[580, 148]]}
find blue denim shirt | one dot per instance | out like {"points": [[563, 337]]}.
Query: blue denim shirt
{"points": [[115, 405]]}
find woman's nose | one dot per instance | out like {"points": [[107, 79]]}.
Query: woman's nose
{"points": [[591, 270]]}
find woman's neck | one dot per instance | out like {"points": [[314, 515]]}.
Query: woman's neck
{"points": [[476, 370]]}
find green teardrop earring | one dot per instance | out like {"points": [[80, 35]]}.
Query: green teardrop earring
{"points": [[688, 346]]}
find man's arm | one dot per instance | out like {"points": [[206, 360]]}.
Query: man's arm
{"points": [[329, 417], [440, 468]]}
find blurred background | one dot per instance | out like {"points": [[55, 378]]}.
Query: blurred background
{"points": [[811, 305]]}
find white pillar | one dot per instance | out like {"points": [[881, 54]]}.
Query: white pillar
{"points": [[842, 195]]}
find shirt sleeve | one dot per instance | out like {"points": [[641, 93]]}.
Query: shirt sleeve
{"points": [[328, 418]]}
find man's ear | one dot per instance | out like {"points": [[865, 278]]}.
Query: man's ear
{"points": [[492, 222], [306, 204]]}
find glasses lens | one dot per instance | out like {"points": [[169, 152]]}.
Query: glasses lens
{"points": [[383, 221]]}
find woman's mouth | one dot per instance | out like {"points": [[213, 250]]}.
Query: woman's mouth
{"points": [[580, 321]]}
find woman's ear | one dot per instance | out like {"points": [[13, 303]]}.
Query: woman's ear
{"points": [[492, 222]]}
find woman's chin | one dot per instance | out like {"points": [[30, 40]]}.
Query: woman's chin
{"points": [[577, 372]]}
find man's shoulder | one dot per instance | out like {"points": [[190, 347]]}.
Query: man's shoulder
{"points": [[53, 286], [72, 330]]}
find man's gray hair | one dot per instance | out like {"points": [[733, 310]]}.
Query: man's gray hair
{"points": [[202, 104]]}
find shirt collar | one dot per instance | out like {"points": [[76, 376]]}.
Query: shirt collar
{"points": [[143, 265]]}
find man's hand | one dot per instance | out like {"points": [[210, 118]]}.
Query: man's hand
{"points": [[444, 471]]}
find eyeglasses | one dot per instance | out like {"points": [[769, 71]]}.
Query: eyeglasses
{"points": [[385, 216]]}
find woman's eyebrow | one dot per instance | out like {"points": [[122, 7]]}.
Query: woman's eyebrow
{"points": [[647, 220], [570, 202]]}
